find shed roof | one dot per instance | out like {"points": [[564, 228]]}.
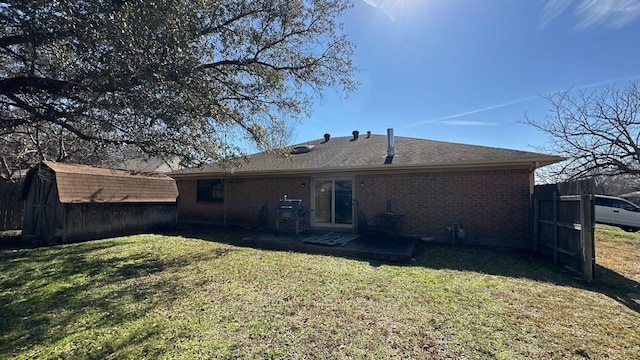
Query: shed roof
{"points": [[88, 184], [370, 154]]}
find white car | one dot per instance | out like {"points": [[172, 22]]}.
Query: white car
{"points": [[617, 212]]}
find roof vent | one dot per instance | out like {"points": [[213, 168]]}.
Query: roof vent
{"points": [[301, 149], [368, 134], [327, 136], [355, 133]]}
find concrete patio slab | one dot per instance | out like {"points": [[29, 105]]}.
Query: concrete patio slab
{"points": [[372, 247]]}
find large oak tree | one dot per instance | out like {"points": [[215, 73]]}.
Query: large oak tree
{"points": [[82, 80]]}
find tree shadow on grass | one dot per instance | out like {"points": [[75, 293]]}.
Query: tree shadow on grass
{"points": [[493, 261], [617, 286], [83, 294], [525, 264], [97, 294]]}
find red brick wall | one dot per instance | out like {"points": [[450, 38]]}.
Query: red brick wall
{"points": [[493, 205], [244, 199]]}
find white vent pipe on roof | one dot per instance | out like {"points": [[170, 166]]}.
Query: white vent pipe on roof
{"points": [[391, 149]]}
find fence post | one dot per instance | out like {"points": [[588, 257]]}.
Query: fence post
{"points": [[555, 227], [586, 236]]}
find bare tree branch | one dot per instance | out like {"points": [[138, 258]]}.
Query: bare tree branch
{"points": [[597, 131]]}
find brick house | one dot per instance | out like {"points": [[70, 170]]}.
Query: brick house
{"points": [[355, 183]]}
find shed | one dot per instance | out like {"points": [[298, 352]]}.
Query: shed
{"points": [[69, 202]]}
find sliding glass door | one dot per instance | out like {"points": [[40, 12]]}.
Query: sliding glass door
{"points": [[332, 203]]}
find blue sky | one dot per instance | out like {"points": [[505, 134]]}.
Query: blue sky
{"points": [[468, 70]]}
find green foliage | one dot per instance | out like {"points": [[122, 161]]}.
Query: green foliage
{"points": [[153, 296], [169, 77]]}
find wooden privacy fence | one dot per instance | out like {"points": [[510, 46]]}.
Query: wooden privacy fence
{"points": [[11, 207], [563, 230]]}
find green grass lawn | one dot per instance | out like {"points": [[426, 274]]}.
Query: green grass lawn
{"points": [[155, 296]]}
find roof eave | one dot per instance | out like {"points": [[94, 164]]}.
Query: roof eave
{"points": [[75, 201], [530, 163]]}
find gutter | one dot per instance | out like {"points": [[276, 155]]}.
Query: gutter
{"points": [[530, 164]]}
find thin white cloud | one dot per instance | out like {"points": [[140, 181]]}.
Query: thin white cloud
{"points": [[382, 6], [591, 13], [373, 3], [614, 13], [466, 123], [445, 120], [551, 10], [595, 84]]}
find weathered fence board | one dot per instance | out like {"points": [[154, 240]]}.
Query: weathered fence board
{"points": [[11, 207], [563, 228], [587, 221]]}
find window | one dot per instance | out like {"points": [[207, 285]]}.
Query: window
{"points": [[626, 205], [616, 203], [210, 190], [601, 201]]}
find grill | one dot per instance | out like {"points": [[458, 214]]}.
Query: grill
{"points": [[389, 222], [290, 209]]}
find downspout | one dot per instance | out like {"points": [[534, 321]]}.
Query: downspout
{"points": [[532, 177]]}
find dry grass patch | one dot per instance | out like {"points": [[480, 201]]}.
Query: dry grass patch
{"points": [[618, 250]]}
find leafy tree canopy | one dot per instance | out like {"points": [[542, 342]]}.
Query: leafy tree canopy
{"points": [[83, 79]]}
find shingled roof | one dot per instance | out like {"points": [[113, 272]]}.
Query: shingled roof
{"points": [[370, 153], [87, 184]]}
